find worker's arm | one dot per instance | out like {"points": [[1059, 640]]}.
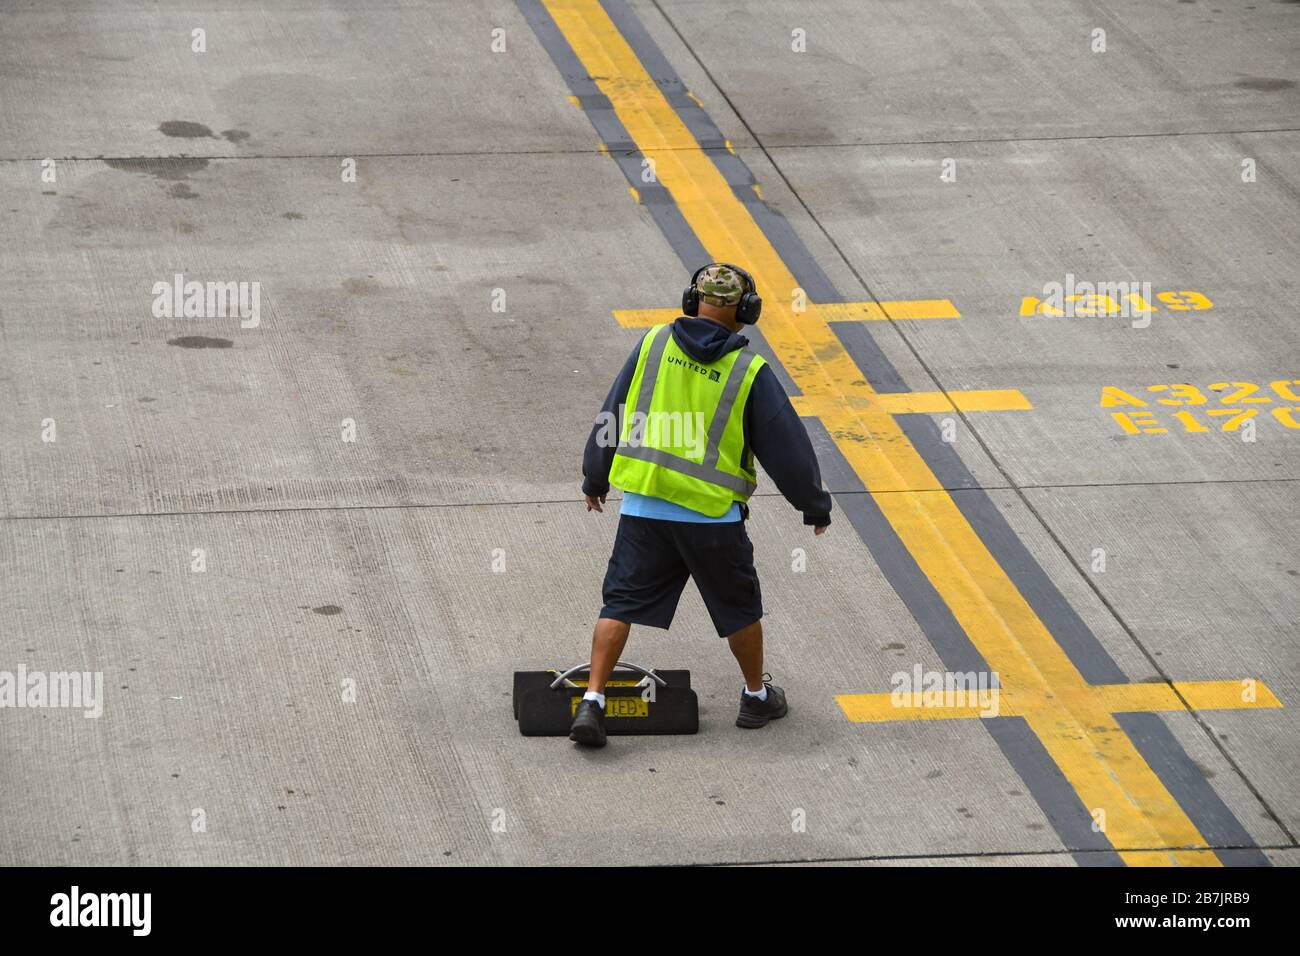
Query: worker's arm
{"points": [[599, 455], [778, 439]]}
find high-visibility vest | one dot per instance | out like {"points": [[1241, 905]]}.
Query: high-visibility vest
{"points": [[682, 436]]}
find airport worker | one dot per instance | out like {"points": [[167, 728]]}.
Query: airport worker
{"points": [[692, 408]]}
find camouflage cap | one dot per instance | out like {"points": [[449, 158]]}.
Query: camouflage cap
{"points": [[720, 285]]}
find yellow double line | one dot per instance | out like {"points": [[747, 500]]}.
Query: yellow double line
{"points": [[1081, 734]]}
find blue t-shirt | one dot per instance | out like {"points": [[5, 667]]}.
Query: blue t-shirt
{"points": [[647, 506]]}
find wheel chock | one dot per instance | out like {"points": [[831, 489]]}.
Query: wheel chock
{"points": [[638, 700]]}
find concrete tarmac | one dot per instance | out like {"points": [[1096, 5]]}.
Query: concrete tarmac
{"points": [[306, 547]]}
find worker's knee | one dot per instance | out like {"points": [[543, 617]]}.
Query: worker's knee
{"points": [[749, 632]]}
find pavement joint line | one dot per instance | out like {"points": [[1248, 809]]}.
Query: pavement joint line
{"points": [[992, 140], [423, 505], [1087, 744], [598, 151], [432, 154], [977, 855]]}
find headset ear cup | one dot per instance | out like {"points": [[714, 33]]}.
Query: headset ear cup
{"points": [[750, 308], [690, 302]]}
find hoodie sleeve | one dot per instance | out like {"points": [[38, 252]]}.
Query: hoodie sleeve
{"points": [[779, 440], [598, 457]]}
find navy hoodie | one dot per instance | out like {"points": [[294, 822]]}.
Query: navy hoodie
{"points": [[773, 431]]}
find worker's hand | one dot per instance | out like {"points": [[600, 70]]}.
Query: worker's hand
{"points": [[821, 530], [594, 504]]}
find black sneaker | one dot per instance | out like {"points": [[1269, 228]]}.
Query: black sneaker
{"points": [[589, 724], [756, 713]]}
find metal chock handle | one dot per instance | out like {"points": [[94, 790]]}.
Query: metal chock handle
{"points": [[646, 674]]}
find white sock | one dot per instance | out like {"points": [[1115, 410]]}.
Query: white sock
{"points": [[760, 694], [600, 698]]}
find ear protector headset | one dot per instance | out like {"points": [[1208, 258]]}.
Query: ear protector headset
{"points": [[748, 308]]}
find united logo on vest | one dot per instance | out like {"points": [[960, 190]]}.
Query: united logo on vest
{"points": [[659, 450]]}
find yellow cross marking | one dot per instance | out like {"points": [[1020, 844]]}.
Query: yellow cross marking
{"points": [[828, 312], [1074, 722], [912, 403], [1115, 698], [901, 403]]}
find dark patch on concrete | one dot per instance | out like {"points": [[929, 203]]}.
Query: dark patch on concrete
{"points": [[294, 215], [171, 168], [200, 342], [235, 135], [1264, 84], [358, 286], [328, 609], [892, 647], [146, 398], [48, 192], [182, 191], [184, 129]]}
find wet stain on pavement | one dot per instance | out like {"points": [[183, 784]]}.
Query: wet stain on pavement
{"points": [[1264, 84], [185, 129]]}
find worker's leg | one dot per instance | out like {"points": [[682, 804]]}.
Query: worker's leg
{"points": [[747, 646], [607, 643], [643, 583]]}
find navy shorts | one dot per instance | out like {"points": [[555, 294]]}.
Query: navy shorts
{"points": [[652, 559]]}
